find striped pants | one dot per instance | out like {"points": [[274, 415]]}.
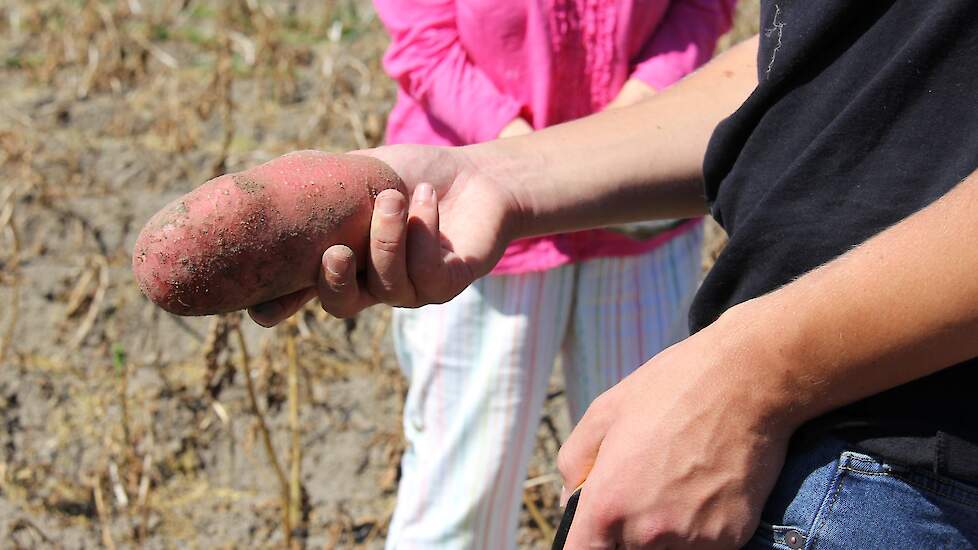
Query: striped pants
{"points": [[479, 368]]}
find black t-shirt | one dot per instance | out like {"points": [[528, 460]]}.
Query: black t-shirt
{"points": [[865, 113]]}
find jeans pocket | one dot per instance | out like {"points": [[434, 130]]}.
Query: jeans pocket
{"points": [[873, 504], [803, 489]]}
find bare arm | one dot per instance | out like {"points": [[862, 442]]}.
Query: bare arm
{"points": [[622, 165], [901, 306]]}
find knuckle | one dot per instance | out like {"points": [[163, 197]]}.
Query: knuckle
{"points": [[649, 531], [337, 283], [600, 407], [592, 414], [386, 244], [566, 465], [602, 401], [605, 512]]}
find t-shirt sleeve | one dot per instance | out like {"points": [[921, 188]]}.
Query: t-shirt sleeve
{"points": [[685, 39], [429, 62]]}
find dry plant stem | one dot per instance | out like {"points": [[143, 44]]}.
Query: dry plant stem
{"points": [[548, 421], [78, 294], [215, 344], [542, 523], [552, 477], [373, 533], [130, 457], [295, 483], [85, 83], [92, 314], [118, 490], [142, 494], [304, 331], [265, 435], [224, 82], [26, 523], [123, 371], [378, 339], [7, 223], [103, 515], [158, 53], [356, 124]]}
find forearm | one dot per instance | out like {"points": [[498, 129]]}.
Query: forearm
{"points": [[635, 163], [899, 307]]}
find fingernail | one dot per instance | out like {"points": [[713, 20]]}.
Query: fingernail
{"points": [[424, 193], [564, 496], [336, 261], [389, 204]]}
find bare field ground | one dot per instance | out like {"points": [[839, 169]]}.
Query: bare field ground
{"points": [[123, 426]]}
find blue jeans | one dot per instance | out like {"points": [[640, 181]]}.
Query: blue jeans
{"points": [[829, 497]]}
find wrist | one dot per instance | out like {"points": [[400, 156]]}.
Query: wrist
{"points": [[520, 173], [755, 357]]}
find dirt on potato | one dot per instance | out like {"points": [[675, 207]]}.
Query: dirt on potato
{"points": [[121, 425]]}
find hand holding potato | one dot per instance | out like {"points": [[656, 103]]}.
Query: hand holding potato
{"points": [[424, 247]]}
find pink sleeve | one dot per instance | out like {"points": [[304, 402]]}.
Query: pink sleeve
{"points": [[428, 60], [685, 39]]}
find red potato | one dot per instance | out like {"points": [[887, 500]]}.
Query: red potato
{"points": [[246, 238]]}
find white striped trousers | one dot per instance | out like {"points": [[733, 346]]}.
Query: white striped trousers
{"points": [[479, 366]]}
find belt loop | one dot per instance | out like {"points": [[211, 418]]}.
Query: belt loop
{"points": [[940, 454]]}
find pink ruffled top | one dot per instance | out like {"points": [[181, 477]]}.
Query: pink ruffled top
{"points": [[466, 68]]}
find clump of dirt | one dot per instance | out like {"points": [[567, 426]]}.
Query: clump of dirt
{"points": [[247, 184]]}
